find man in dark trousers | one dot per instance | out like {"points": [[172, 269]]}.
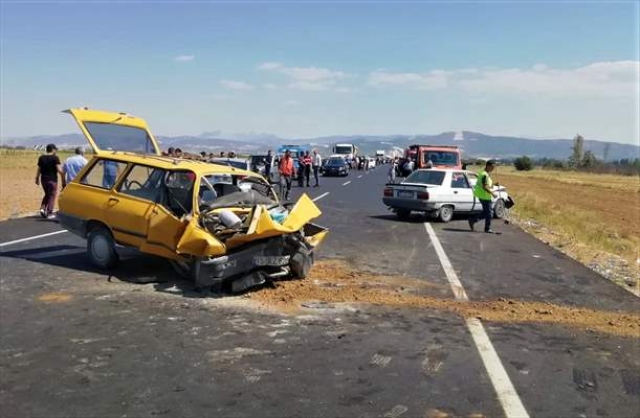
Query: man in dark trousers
{"points": [[267, 165], [307, 162], [484, 193], [287, 171], [47, 175]]}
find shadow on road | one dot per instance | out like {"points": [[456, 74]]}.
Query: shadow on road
{"points": [[133, 267]]}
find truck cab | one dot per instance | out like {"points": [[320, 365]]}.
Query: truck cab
{"points": [[441, 156]]}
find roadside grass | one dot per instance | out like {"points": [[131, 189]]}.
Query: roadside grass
{"points": [[12, 159], [607, 181], [593, 218]]}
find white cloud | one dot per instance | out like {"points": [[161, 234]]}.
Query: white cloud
{"points": [[342, 90], [307, 78], [236, 85], [424, 81], [291, 103], [270, 86], [184, 58], [601, 79], [269, 66]]}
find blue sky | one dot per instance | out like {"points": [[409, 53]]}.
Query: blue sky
{"points": [[539, 69]]}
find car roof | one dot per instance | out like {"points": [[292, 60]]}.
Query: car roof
{"points": [[171, 163]]}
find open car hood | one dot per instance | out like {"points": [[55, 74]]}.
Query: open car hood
{"points": [[109, 131]]}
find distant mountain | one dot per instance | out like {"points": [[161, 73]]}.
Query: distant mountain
{"points": [[473, 144]]}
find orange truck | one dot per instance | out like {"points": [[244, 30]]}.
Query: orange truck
{"points": [[441, 156]]}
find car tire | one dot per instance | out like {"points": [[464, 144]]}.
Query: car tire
{"points": [[403, 214], [445, 214], [101, 248], [499, 209]]}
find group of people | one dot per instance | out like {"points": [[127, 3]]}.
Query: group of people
{"points": [[202, 156], [49, 168], [307, 164]]}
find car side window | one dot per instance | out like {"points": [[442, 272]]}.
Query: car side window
{"points": [[473, 179], [459, 181], [104, 173], [142, 182]]}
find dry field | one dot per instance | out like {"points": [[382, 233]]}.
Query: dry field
{"points": [[20, 195], [593, 218]]}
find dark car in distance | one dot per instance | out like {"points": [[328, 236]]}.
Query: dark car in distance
{"points": [[336, 166]]}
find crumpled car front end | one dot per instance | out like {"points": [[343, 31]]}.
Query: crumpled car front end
{"points": [[243, 240]]}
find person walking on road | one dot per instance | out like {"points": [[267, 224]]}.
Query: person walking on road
{"points": [[73, 165], [392, 171], [317, 163], [47, 176], [267, 166], [483, 191], [287, 172]]}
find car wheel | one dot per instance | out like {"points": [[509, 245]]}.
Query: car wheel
{"points": [[403, 214], [499, 209], [102, 248], [446, 213]]}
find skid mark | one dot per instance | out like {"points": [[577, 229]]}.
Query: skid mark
{"points": [[380, 360], [231, 356], [396, 411], [54, 297], [433, 361]]}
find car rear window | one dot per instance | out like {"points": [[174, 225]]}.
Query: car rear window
{"points": [[108, 136], [426, 177]]}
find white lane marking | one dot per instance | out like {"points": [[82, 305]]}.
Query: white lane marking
{"points": [[507, 395], [456, 286], [315, 199], [18, 241], [346, 182], [360, 176]]}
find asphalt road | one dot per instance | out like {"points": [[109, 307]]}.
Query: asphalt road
{"points": [[78, 343]]}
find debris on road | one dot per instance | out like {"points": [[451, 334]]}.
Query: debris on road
{"points": [[335, 282]]}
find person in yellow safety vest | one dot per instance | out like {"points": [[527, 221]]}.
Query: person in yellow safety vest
{"points": [[483, 191]]}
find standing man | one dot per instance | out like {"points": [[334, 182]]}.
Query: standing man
{"points": [[47, 175], [267, 166], [287, 171], [73, 165], [483, 191], [317, 163], [308, 162]]}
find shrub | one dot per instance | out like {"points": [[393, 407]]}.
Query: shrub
{"points": [[523, 163]]}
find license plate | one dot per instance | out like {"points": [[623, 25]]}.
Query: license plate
{"points": [[262, 261], [404, 193]]}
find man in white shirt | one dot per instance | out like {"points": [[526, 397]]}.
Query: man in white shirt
{"points": [[73, 165], [316, 164]]}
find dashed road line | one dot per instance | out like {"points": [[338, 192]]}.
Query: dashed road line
{"points": [[507, 395], [18, 241], [346, 182], [315, 199]]}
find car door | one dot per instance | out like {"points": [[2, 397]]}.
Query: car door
{"points": [[472, 179], [462, 194], [131, 205], [170, 215]]}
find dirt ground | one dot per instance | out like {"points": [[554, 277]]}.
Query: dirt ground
{"points": [[334, 282], [20, 194]]}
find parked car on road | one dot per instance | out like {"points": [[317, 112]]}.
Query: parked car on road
{"points": [[336, 166], [239, 163], [216, 223], [439, 193]]}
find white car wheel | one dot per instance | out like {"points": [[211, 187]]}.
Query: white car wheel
{"points": [[446, 213], [498, 209]]}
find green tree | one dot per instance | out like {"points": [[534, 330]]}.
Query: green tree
{"points": [[578, 150], [523, 163], [589, 160]]}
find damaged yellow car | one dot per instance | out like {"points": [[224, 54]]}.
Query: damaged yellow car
{"points": [[214, 223]]}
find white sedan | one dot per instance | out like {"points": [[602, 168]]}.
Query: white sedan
{"points": [[440, 193]]}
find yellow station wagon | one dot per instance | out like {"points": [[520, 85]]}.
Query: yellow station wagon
{"points": [[214, 223]]}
